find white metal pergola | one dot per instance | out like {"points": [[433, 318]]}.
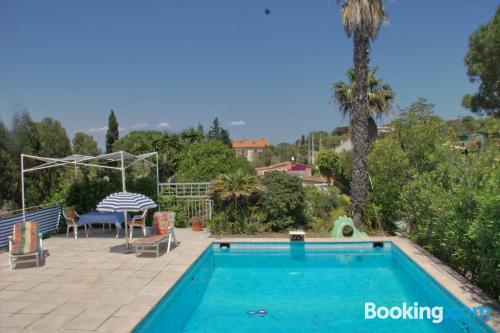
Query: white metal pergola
{"points": [[115, 161]]}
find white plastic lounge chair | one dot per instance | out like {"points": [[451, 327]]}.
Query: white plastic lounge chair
{"points": [[138, 221], [71, 217]]}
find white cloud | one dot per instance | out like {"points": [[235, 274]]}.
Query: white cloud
{"points": [[136, 126], [98, 129], [237, 123], [163, 125]]}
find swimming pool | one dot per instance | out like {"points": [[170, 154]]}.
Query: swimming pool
{"points": [[306, 287]]}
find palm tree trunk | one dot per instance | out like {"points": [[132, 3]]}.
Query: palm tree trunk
{"points": [[359, 135]]}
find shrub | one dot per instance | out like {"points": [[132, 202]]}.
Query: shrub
{"points": [[284, 201], [84, 195], [323, 208], [251, 224], [172, 204], [389, 171], [455, 213]]}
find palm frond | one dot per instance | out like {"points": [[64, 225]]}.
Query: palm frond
{"points": [[343, 96], [236, 188], [364, 15], [380, 95]]}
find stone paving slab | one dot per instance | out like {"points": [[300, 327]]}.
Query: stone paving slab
{"points": [[88, 285]]}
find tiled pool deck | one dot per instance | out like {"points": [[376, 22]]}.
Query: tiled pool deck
{"points": [[87, 285]]}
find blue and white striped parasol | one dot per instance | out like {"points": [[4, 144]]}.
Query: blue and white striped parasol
{"points": [[125, 202]]}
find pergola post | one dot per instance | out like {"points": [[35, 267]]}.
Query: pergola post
{"points": [[124, 189], [157, 179], [123, 172], [22, 188]]}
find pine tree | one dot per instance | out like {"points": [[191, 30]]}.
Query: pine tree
{"points": [[214, 131], [217, 133], [112, 133], [224, 137]]}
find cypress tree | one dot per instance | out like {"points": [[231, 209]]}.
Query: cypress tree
{"points": [[112, 133]]}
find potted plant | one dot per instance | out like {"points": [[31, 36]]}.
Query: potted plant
{"points": [[196, 223]]}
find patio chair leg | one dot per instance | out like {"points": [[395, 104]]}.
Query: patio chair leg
{"points": [[67, 231], [169, 242], [75, 231], [144, 231], [86, 232], [131, 231], [37, 255], [10, 262]]}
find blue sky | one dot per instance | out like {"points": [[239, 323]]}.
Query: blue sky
{"points": [[169, 64]]}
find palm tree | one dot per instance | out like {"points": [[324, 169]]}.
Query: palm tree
{"points": [[362, 20], [380, 97], [236, 189]]}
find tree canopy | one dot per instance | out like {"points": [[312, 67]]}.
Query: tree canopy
{"points": [[329, 164], [85, 144], [204, 161], [483, 63], [53, 138]]}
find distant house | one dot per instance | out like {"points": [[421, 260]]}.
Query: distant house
{"points": [[249, 148], [344, 146], [297, 169]]}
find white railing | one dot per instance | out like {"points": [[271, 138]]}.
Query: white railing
{"points": [[184, 190], [194, 196]]}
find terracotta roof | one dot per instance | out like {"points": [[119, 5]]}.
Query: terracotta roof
{"points": [[292, 166], [274, 166], [252, 143]]}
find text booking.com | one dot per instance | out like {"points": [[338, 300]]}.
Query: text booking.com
{"points": [[415, 311]]}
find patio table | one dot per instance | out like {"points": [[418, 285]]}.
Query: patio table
{"points": [[103, 218]]}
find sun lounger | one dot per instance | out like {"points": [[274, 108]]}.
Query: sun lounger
{"points": [[151, 244], [25, 243]]}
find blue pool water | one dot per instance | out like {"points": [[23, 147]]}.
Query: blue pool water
{"points": [[303, 287]]}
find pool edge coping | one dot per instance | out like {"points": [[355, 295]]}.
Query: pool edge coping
{"points": [[450, 280]]}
